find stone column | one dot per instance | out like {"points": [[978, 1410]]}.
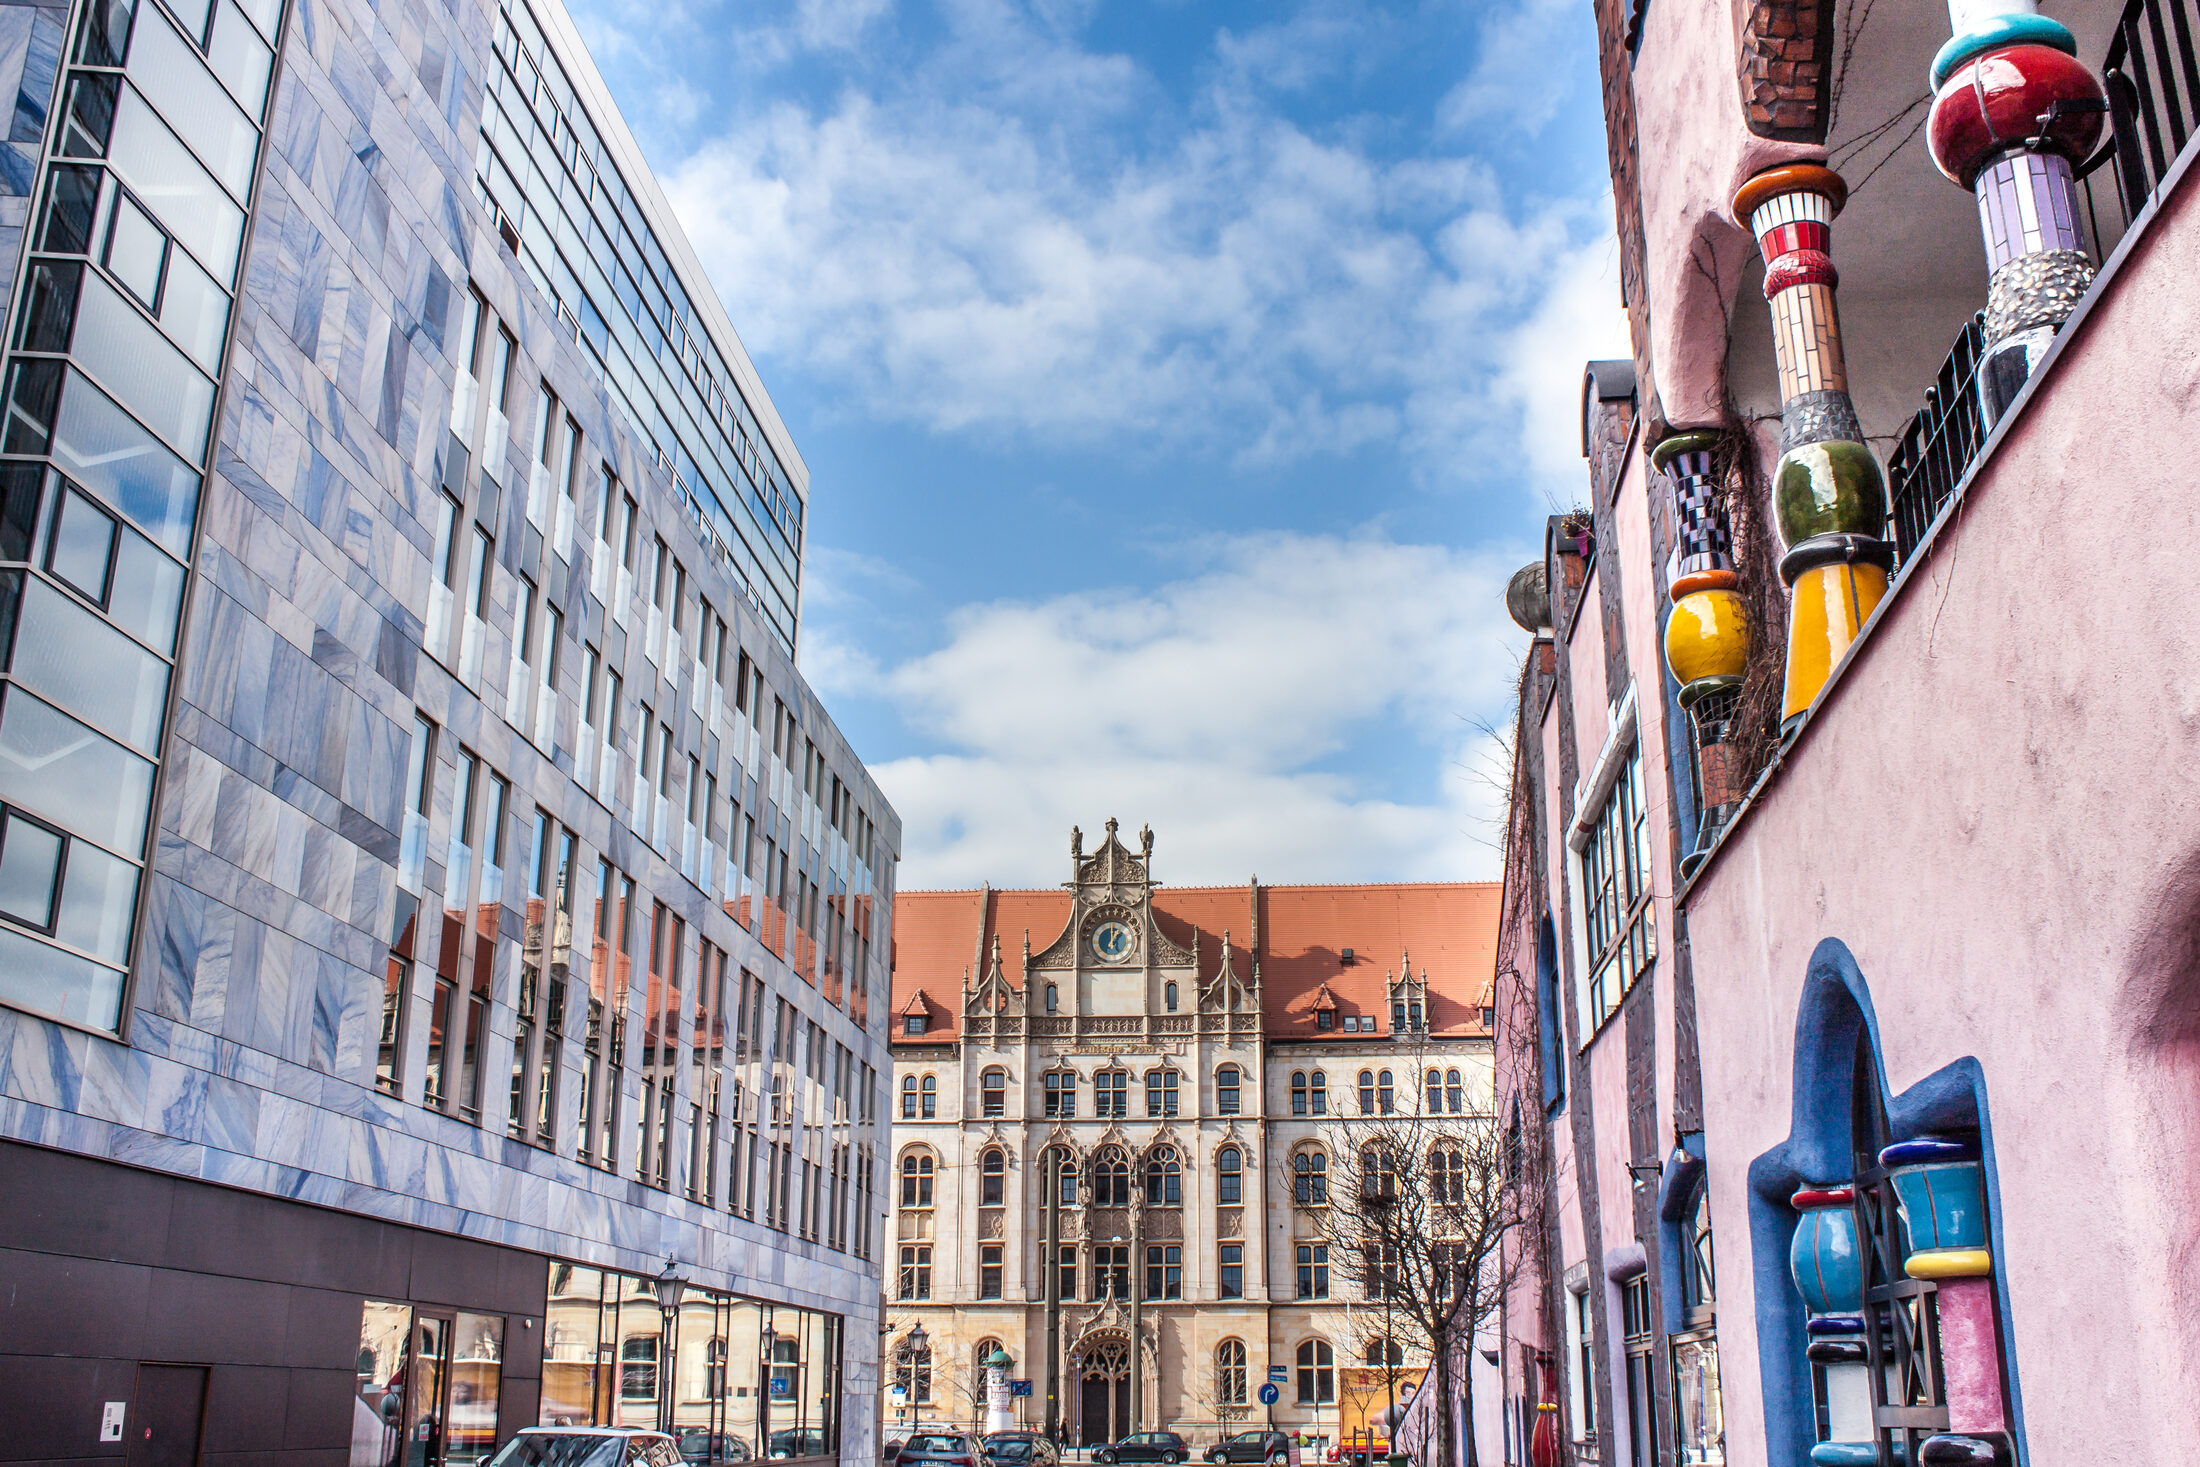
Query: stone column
{"points": [[1707, 635], [1941, 1186], [2013, 110], [1829, 496]]}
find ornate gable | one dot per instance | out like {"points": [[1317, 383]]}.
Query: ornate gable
{"points": [[1111, 919]]}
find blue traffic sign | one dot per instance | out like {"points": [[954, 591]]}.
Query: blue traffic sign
{"points": [[1268, 1394], [1279, 1373], [1019, 1387], [782, 1385]]}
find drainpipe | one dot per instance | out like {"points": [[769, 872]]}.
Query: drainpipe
{"points": [[1829, 496], [2013, 111], [1707, 635], [1138, 1290], [1053, 1266]]}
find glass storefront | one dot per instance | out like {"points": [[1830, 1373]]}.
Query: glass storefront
{"points": [[739, 1379], [428, 1387]]}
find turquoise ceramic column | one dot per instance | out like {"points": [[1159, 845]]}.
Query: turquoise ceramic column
{"points": [[1940, 1188], [1829, 1271]]}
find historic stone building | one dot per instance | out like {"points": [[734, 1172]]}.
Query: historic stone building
{"points": [[1195, 1054]]}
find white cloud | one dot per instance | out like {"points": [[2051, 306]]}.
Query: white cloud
{"points": [[989, 243], [1218, 709]]}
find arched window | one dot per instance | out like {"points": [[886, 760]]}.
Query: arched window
{"points": [[1385, 1352], [1164, 1179], [1436, 1092], [1066, 1174], [1317, 1374], [1226, 1090], [1168, 995], [714, 1370], [909, 1097], [1448, 1176], [1230, 1373], [1317, 1093], [993, 1176], [931, 1097], [916, 1180], [1111, 1179], [638, 1368], [1161, 1092], [1378, 1173], [1298, 1092], [1054, 998], [1229, 1178], [1061, 1094], [1385, 1096], [993, 1092], [1310, 1178], [1367, 1092], [1455, 1094]]}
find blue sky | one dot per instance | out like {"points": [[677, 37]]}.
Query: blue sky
{"points": [[1179, 381]]}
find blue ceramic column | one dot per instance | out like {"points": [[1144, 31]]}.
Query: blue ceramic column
{"points": [[1829, 1271]]}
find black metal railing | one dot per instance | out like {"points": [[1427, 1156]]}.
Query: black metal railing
{"points": [[2152, 76]]}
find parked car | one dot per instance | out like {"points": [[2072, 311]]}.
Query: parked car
{"points": [[700, 1444], [1146, 1446], [1024, 1448], [1251, 1446], [946, 1448], [799, 1441], [587, 1446], [889, 1455]]}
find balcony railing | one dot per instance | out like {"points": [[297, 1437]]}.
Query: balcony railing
{"points": [[2152, 76]]}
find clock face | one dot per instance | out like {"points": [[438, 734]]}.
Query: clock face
{"points": [[1112, 941]]}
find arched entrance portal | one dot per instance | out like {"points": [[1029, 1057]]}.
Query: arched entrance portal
{"points": [[1104, 1392]]}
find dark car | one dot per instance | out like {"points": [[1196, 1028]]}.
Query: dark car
{"points": [[1146, 1446], [1251, 1446], [799, 1441], [890, 1454], [951, 1448], [700, 1444], [1024, 1448]]}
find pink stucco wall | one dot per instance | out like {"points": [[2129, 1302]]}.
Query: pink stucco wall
{"points": [[1997, 808]]}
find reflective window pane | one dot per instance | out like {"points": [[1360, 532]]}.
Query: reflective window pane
{"points": [[137, 251], [58, 768], [18, 508], [46, 980], [30, 862], [182, 195], [98, 897], [169, 70], [240, 58], [104, 449], [265, 14], [82, 545], [193, 15], [50, 292], [143, 369], [69, 655], [147, 598], [194, 311], [72, 197], [105, 37]]}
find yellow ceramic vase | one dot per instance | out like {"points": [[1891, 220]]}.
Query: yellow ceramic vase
{"points": [[1707, 636], [1826, 606]]}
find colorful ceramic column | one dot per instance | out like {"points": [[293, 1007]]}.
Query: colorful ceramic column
{"points": [[2013, 110], [1829, 496], [1829, 1271], [1707, 636], [1940, 1188]]}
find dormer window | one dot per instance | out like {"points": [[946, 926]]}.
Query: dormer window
{"points": [[912, 1024], [1325, 1018]]}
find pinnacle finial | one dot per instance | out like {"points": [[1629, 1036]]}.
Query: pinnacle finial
{"points": [[1111, 825], [1145, 841], [1076, 844]]}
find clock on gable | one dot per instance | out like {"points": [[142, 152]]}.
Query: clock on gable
{"points": [[1112, 941]]}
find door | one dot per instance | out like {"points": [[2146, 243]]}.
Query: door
{"points": [[166, 1412], [427, 1392], [1092, 1410]]}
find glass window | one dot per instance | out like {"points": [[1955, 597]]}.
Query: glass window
{"points": [[1229, 1178], [1313, 1268], [916, 1271], [1317, 1373], [1165, 1271], [1367, 1092], [1164, 1180], [81, 549], [1615, 873], [1111, 1180], [51, 764], [909, 1097], [1386, 1098], [1318, 1093], [931, 1097], [993, 1177], [143, 369], [1298, 1092], [1161, 1092], [30, 871], [1230, 1373], [1231, 1281], [1061, 1093], [1310, 1177], [993, 1093], [990, 1271], [103, 448], [916, 1181], [1226, 1090]]}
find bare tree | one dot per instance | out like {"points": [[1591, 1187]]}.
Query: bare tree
{"points": [[1420, 1206]]}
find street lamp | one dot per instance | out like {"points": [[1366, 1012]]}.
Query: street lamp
{"points": [[913, 1346], [671, 1288], [767, 1344]]}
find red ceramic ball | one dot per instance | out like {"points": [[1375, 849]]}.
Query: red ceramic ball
{"points": [[1994, 102]]}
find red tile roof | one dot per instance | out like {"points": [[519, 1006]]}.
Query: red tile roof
{"points": [[1447, 929]]}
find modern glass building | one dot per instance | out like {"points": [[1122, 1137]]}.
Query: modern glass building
{"points": [[438, 926]]}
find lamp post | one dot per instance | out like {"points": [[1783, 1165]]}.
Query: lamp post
{"points": [[767, 1340], [913, 1347], [671, 1288]]}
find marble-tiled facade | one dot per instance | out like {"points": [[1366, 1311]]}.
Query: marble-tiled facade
{"points": [[249, 1049]]}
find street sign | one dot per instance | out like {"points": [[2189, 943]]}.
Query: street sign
{"points": [[1280, 1374], [1269, 1394], [782, 1385], [899, 1393], [1019, 1387]]}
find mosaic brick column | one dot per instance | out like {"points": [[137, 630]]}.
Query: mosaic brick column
{"points": [[1940, 1187], [2013, 110], [1829, 1271], [1707, 636], [1829, 496]]}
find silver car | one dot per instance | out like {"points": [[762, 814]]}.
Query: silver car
{"points": [[587, 1446]]}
